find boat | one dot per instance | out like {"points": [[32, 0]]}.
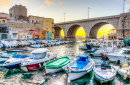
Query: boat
{"points": [[123, 71], [5, 56], [37, 59], [104, 73], [14, 62], [79, 67], [56, 65], [83, 47], [123, 55], [37, 46], [16, 49]]}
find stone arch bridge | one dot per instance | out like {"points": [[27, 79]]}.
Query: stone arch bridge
{"points": [[121, 23]]}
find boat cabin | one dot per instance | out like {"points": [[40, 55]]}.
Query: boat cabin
{"points": [[39, 53], [82, 61], [104, 66]]}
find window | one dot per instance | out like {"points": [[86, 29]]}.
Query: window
{"points": [[14, 35], [46, 20], [3, 21], [36, 32], [38, 55], [47, 28], [46, 24], [4, 36]]}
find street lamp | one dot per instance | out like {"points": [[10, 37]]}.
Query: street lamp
{"points": [[123, 25], [88, 12], [124, 6]]}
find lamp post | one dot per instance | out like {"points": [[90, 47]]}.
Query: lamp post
{"points": [[124, 6], [124, 18], [88, 12]]}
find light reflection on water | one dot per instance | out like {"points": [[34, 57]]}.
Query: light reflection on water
{"points": [[38, 77]]}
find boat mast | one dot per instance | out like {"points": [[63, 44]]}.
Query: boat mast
{"points": [[113, 39]]}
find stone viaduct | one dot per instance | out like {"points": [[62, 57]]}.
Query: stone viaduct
{"points": [[121, 23]]}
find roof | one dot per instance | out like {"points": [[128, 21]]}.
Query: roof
{"points": [[40, 50], [82, 55]]}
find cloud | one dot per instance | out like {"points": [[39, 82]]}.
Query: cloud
{"points": [[42, 6], [23, 1], [5, 3], [128, 5], [48, 2]]}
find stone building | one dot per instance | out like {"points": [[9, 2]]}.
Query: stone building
{"points": [[18, 12], [34, 19]]}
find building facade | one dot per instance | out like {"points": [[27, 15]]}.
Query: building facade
{"points": [[48, 26], [18, 12], [4, 31], [34, 19]]}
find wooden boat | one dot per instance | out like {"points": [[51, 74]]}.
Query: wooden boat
{"points": [[79, 67], [16, 49], [14, 62], [104, 73], [37, 59], [56, 65]]}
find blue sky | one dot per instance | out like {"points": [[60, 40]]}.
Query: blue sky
{"points": [[74, 9]]}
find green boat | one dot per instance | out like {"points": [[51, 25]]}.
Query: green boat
{"points": [[12, 53], [56, 65]]}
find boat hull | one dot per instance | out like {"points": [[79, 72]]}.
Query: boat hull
{"points": [[50, 71], [73, 75], [115, 58], [16, 50], [102, 80], [35, 66]]}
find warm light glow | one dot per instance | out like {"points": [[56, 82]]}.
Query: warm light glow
{"points": [[62, 33], [80, 32], [104, 30]]}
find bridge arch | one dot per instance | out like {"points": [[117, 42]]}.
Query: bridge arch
{"points": [[96, 27], [57, 34], [72, 31]]}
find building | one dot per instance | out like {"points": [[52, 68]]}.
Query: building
{"points": [[18, 12], [110, 36], [34, 19], [48, 28], [35, 33], [4, 31]]}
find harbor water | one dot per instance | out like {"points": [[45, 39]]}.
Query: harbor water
{"points": [[18, 77]]}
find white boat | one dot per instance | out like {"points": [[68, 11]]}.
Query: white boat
{"points": [[3, 57], [105, 51], [37, 59], [14, 62], [83, 47], [79, 67], [123, 55], [123, 71], [37, 46], [103, 73]]}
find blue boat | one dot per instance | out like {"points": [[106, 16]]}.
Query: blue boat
{"points": [[79, 67], [14, 62]]}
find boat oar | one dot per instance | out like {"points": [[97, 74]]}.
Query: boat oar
{"points": [[68, 71]]}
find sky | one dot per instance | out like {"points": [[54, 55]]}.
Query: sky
{"points": [[68, 9]]}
